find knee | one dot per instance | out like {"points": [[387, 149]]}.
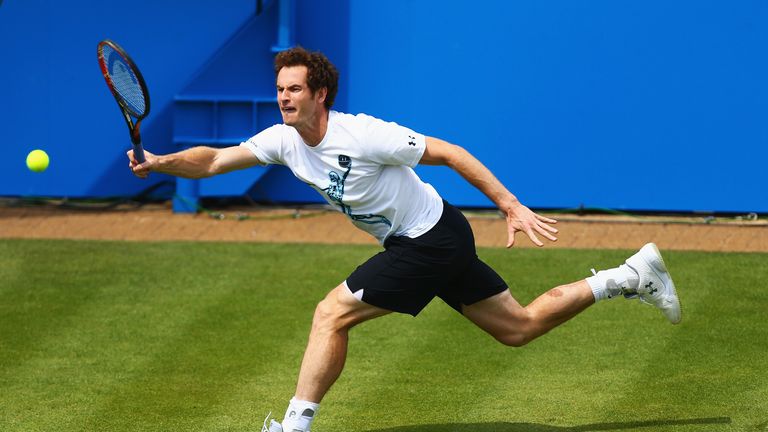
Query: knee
{"points": [[328, 316], [518, 335], [513, 339]]}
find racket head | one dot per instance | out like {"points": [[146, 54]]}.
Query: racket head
{"points": [[123, 79]]}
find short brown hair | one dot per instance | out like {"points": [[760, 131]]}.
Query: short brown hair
{"points": [[320, 71]]}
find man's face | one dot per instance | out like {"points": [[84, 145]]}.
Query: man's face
{"points": [[297, 103]]}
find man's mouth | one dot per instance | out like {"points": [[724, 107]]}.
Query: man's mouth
{"points": [[289, 110]]}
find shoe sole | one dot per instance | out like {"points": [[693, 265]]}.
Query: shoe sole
{"points": [[660, 268]]}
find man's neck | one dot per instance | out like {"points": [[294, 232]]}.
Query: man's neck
{"points": [[314, 132]]}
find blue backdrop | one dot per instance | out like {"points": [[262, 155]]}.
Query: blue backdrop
{"points": [[652, 105]]}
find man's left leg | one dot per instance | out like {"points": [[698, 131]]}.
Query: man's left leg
{"points": [[507, 321], [644, 275]]}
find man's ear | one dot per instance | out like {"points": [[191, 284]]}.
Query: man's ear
{"points": [[322, 93]]}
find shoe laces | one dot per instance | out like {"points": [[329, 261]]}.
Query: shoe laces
{"points": [[612, 285], [265, 428], [644, 301]]}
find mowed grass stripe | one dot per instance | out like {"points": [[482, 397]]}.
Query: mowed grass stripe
{"points": [[118, 315], [280, 313], [243, 349], [42, 326], [40, 295], [212, 344]]}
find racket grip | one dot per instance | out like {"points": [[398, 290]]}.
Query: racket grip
{"points": [[138, 152]]}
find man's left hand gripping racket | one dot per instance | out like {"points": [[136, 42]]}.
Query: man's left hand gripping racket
{"points": [[128, 87]]}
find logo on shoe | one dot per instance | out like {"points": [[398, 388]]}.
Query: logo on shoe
{"points": [[649, 287]]}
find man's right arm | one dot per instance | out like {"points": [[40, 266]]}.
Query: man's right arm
{"points": [[196, 162]]}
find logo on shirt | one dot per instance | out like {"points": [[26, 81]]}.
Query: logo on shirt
{"points": [[412, 140], [335, 192], [344, 161]]}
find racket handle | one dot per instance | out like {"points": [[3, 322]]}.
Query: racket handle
{"points": [[138, 152]]}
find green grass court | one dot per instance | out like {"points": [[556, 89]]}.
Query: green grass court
{"points": [[115, 336]]}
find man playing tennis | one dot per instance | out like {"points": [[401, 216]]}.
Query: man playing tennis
{"points": [[363, 166]]}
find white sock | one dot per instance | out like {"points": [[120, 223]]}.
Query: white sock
{"points": [[299, 415], [607, 284]]}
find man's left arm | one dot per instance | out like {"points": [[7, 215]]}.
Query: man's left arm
{"points": [[519, 217]]}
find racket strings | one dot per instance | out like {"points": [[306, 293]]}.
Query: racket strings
{"points": [[125, 82]]}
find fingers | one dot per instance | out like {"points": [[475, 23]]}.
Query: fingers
{"points": [[139, 170], [534, 239], [541, 225], [532, 228], [510, 236], [545, 230], [545, 219], [549, 228], [531, 235]]}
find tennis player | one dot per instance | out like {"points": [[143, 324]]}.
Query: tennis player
{"points": [[363, 167]]}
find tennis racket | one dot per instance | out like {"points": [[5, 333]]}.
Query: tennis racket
{"points": [[127, 85]]}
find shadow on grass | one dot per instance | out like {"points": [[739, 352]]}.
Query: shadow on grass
{"points": [[535, 427]]}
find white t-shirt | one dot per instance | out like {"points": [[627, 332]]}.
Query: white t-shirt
{"points": [[363, 167]]}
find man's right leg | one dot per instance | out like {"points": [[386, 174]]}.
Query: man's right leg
{"points": [[327, 347], [325, 355]]}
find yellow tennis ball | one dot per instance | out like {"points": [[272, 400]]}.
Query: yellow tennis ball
{"points": [[37, 161]]}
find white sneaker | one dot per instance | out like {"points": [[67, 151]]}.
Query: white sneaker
{"points": [[656, 287], [273, 425]]}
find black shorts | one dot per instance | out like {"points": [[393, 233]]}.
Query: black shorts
{"points": [[442, 262]]}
